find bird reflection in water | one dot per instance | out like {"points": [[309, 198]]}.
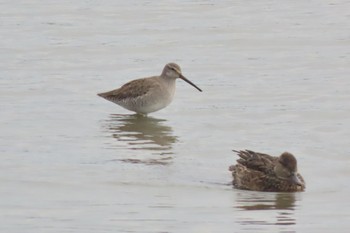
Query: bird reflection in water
{"points": [[279, 206], [138, 132]]}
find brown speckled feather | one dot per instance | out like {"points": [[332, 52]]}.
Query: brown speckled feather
{"points": [[256, 161], [132, 89]]}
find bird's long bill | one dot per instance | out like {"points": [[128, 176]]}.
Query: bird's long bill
{"points": [[295, 180], [188, 81]]}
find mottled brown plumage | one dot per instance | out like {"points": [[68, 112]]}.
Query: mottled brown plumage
{"points": [[263, 172], [132, 89]]}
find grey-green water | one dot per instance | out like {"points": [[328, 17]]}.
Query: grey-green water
{"points": [[275, 77]]}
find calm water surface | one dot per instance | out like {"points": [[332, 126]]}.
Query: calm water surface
{"points": [[275, 77]]}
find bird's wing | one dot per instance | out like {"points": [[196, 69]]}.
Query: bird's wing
{"points": [[256, 161], [132, 89]]}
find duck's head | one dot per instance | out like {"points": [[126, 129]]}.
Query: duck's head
{"points": [[286, 169]]}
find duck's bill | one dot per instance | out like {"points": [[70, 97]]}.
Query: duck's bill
{"points": [[295, 180], [188, 81]]}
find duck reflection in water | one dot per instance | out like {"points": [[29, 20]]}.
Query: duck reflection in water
{"points": [[138, 132], [279, 206]]}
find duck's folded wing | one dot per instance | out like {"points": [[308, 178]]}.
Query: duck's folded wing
{"points": [[256, 161]]}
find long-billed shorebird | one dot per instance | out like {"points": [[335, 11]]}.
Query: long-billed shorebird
{"points": [[150, 94]]}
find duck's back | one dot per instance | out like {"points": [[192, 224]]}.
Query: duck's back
{"points": [[257, 161]]}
